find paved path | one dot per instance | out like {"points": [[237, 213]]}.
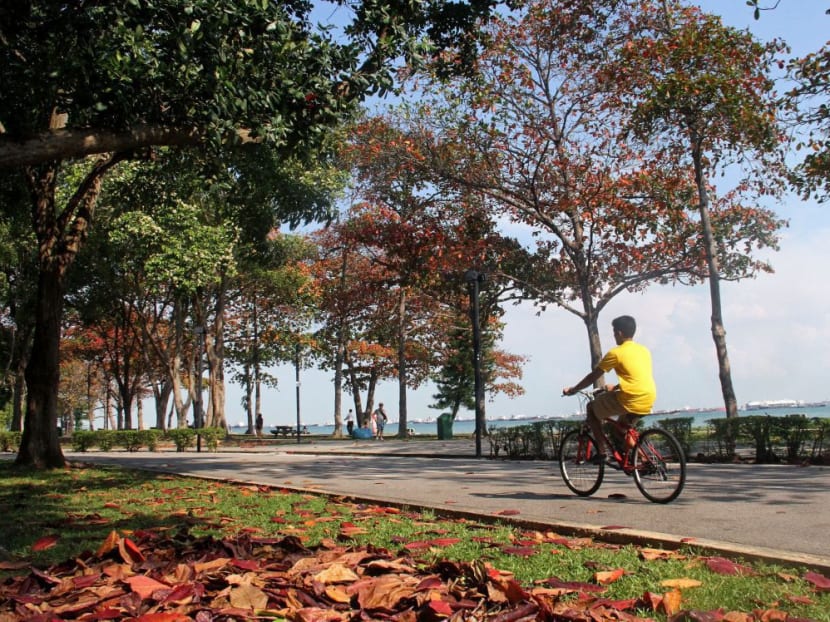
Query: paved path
{"points": [[755, 511]]}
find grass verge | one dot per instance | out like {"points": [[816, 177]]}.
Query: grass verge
{"points": [[50, 517]]}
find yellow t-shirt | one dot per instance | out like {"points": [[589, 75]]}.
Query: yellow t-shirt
{"points": [[632, 363]]}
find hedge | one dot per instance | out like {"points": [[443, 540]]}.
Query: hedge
{"points": [[792, 438]]}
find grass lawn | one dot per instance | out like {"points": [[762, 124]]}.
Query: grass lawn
{"points": [[98, 541]]}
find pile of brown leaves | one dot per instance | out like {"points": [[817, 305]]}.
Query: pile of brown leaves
{"points": [[153, 577], [158, 577]]}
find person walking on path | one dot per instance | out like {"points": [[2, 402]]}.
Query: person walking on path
{"points": [[380, 421], [258, 425], [633, 396], [350, 422]]}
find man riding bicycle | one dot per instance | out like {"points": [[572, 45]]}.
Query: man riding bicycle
{"points": [[636, 391]]}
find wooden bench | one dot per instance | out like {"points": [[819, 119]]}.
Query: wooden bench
{"points": [[283, 430], [287, 430]]}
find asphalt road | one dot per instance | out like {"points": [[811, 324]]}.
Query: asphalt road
{"points": [[771, 512]]}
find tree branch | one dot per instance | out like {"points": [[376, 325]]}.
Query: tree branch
{"points": [[63, 144]]}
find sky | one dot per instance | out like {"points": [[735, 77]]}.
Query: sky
{"points": [[777, 325]]}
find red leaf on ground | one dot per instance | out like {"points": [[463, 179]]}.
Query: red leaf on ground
{"points": [[169, 616], [651, 600], [609, 576], [87, 580], [618, 605], [508, 513], [445, 541], [821, 583], [441, 607], [724, 566], [46, 542], [429, 583], [520, 551], [417, 545], [144, 586], [573, 586], [246, 564], [130, 552]]}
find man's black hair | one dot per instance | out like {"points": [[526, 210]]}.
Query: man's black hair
{"points": [[625, 325]]}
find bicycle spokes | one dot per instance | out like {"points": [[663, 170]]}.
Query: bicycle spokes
{"points": [[659, 466]]}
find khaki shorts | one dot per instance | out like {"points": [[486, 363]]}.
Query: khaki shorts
{"points": [[606, 405]]}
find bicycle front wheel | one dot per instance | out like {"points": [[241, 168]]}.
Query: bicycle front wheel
{"points": [[575, 454], [659, 466]]}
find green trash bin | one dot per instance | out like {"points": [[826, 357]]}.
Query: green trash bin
{"points": [[444, 427]]}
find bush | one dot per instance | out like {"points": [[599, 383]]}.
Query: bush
{"points": [[681, 429], [182, 437], [131, 440], [536, 441], [151, 439], [84, 440], [791, 437], [212, 436], [105, 439], [9, 441]]}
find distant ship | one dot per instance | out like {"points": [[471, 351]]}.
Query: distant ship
{"points": [[772, 404]]}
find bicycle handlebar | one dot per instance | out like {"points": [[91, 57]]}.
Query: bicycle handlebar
{"points": [[589, 393]]}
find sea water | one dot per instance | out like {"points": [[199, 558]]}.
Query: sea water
{"points": [[467, 426]]}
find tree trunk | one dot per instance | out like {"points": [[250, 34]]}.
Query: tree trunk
{"points": [[358, 403], [590, 318], [19, 395], [718, 330], [339, 357], [161, 393], [60, 235], [402, 379], [338, 383], [215, 350], [40, 444], [255, 410]]}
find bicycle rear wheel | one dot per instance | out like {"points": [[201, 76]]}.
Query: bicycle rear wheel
{"points": [[575, 455], [659, 466]]}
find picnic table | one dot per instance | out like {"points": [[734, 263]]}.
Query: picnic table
{"points": [[287, 430]]}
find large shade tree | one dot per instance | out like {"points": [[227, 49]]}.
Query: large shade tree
{"points": [[706, 93], [546, 139], [113, 79]]}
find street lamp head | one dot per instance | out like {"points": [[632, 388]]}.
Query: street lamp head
{"points": [[473, 276]]}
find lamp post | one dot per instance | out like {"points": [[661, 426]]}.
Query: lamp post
{"points": [[199, 331], [474, 278]]}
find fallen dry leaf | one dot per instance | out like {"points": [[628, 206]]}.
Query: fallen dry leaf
{"points": [[248, 596], [46, 542], [820, 582], [336, 573], [670, 603], [720, 565], [609, 576], [681, 584], [144, 586]]}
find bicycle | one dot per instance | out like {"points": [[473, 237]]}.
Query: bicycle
{"points": [[653, 457]]}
